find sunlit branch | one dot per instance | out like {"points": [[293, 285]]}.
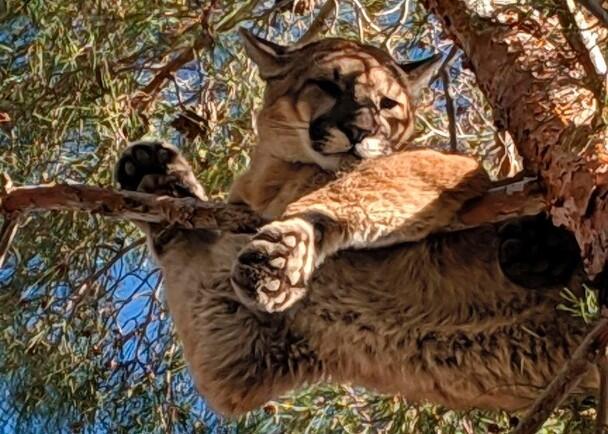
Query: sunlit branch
{"points": [[187, 212], [503, 202]]}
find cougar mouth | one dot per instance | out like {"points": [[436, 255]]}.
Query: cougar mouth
{"points": [[336, 142], [371, 147], [363, 140]]}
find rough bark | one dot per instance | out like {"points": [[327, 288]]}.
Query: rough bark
{"points": [[503, 202], [541, 93], [186, 212]]}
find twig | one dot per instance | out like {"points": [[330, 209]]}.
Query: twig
{"points": [[583, 358], [7, 234], [449, 101], [330, 7], [204, 39], [499, 204], [584, 41], [11, 220], [362, 12]]}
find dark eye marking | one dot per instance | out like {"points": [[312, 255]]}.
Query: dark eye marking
{"points": [[329, 87], [387, 103]]}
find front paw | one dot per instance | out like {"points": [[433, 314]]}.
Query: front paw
{"points": [[272, 271], [158, 168]]}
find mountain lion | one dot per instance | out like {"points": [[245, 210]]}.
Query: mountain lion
{"points": [[438, 319]]}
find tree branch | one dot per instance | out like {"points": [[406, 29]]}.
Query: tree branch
{"points": [[595, 7], [131, 205], [505, 201], [7, 234], [204, 39], [318, 24], [449, 101], [539, 92], [585, 355]]}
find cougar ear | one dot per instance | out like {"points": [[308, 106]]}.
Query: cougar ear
{"points": [[268, 56], [421, 72]]}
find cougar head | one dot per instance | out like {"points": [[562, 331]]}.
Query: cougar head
{"points": [[335, 98]]}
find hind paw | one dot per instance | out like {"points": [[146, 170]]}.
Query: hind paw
{"points": [[272, 271], [534, 253]]}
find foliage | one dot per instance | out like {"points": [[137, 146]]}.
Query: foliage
{"points": [[85, 342]]}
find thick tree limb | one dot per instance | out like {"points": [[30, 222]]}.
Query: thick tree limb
{"points": [[541, 94], [570, 375], [187, 212], [595, 7], [520, 198]]}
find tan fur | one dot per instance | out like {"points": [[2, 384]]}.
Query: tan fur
{"points": [[392, 196], [433, 320], [277, 176]]}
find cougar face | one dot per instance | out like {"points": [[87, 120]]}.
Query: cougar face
{"points": [[334, 99]]}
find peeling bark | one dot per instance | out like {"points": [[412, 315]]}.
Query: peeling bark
{"points": [[541, 94]]}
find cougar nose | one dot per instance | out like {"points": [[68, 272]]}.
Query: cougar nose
{"points": [[357, 134]]}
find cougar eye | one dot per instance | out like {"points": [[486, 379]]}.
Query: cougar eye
{"points": [[329, 87], [387, 103]]}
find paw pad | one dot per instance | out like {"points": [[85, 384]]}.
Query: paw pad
{"points": [[155, 167], [272, 271]]}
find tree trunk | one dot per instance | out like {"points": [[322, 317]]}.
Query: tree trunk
{"points": [[543, 91]]}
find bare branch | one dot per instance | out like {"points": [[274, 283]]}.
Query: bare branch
{"points": [[11, 220], [7, 234], [204, 39], [187, 212], [449, 101], [146, 95], [585, 355], [330, 7], [506, 201]]}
